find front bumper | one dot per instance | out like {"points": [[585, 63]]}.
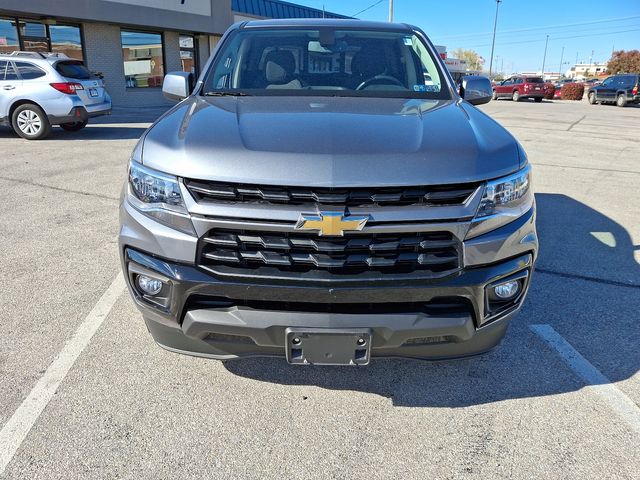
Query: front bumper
{"points": [[196, 320]]}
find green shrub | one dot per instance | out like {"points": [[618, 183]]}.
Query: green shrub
{"points": [[572, 91]]}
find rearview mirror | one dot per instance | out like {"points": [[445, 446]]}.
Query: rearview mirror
{"points": [[476, 89], [177, 85]]}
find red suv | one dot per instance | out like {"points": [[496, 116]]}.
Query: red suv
{"points": [[518, 87]]}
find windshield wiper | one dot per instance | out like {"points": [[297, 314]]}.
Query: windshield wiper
{"points": [[225, 94]]}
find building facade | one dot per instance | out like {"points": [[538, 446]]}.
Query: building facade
{"points": [[132, 44]]}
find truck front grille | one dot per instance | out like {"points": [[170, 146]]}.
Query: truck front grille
{"points": [[441, 195], [435, 254]]}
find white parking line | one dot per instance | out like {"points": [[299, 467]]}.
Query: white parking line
{"points": [[594, 378], [16, 429]]}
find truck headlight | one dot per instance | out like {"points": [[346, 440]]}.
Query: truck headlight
{"points": [[157, 195], [504, 200]]}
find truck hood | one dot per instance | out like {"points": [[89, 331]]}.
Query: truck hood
{"points": [[329, 141]]}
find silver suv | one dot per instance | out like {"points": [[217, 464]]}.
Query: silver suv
{"points": [[326, 193], [40, 90]]}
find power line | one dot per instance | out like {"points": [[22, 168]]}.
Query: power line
{"points": [[535, 36], [368, 8], [547, 27]]}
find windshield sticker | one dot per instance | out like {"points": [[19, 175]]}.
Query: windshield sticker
{"points": [[426, 88], [408, 41]]}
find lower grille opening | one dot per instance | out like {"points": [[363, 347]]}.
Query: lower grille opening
{"points": [[436, 307]]}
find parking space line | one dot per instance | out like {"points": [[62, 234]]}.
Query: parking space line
{"points": [[16, 429], [594, 378]]}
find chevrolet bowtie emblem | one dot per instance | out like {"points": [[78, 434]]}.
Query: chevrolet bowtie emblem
{"points": [[331, 223]]}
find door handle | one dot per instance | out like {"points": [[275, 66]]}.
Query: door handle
{"points": [[8, 87]]}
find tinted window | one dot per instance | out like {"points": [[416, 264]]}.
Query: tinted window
{"points": [[627, 80], [518, 80], [338, 62], [29, 71], [73, 69], [535, 80]]}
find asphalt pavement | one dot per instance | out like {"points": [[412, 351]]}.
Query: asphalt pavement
{"points": [[558, 399]]}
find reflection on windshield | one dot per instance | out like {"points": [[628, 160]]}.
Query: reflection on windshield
{"points": [[325, 61]]}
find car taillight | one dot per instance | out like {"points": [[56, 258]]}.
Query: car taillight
{"points": [[635, 90], [526, 86], [67, 87]]}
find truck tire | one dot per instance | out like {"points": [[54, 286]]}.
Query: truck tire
{"points": [[516, 96], [621, 100], [30, 122]]}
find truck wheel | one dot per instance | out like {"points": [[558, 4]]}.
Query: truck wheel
{"points": [[30, 122], [516, 96], [538, 99], [621, 101], [592, 98], [495, 95], [73, 126]]}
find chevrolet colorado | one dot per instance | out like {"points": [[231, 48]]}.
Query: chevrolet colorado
{"points": [[325, 193]]}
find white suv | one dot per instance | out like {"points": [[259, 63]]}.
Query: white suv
{"points": [[40, 90]]}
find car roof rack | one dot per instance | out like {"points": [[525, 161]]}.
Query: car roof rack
{"points": [[44, 55]]}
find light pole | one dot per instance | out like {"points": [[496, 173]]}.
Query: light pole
{"points": [[561, 58], [493, 42], [390, 10], [544, 59]]}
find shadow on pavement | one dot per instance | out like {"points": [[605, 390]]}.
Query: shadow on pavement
{"points": [[599, 318], [90, 132]]}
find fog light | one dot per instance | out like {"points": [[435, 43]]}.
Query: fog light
{"points": [[149, 285], [507, 290]]}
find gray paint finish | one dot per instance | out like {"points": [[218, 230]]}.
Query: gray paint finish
{"points": [[330, 141], [104, 11]]}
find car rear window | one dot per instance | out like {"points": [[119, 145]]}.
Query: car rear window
{"points": [[535, 80], [73, 69]]}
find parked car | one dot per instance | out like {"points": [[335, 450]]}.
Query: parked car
{"points": [[618, 89], [342, 208], [592, 82], [519, 87], [40, 90]]}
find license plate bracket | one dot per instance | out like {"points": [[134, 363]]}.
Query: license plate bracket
{"points": [[322, 346], [93, 92]]}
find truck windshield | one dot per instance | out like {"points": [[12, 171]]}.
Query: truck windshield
{"points": [[337, 62]]}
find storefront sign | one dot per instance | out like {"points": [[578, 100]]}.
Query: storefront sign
{"points": [[194, 7]]}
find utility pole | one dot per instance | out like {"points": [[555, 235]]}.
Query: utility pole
{"points": [[493, 42], [561, 58], [390, 10], [544, 59]]}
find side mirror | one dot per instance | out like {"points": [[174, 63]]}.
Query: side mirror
{"points": [[177, 85], [476, 89]]}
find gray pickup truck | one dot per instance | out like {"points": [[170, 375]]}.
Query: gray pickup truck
{"points": [[325, 193]]}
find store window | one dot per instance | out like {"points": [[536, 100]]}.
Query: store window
{"points": [[143, 59], [8, 36], [39, 37], [34, 37], [66, 39], [188, 54]]}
